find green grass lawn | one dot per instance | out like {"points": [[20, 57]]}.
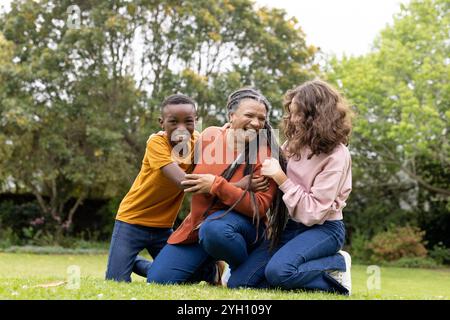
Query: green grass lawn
{"points": [[21, 275]]}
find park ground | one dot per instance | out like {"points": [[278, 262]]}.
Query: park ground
{"points": [[42, 276]]}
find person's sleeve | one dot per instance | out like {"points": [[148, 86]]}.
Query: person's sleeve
{"points": [[345, 191], [158, 152], [310, 208], [229, 194]]}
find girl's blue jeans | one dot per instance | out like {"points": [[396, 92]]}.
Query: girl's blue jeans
{"points": [[300, 261]]}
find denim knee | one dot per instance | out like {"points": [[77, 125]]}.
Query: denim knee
{"points": [[275, 275], [110, 275], [214, 233], [165, 278], [234, 283], [279, 275]]}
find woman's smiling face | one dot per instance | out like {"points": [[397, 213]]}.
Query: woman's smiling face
{"points": [[248, 119]]}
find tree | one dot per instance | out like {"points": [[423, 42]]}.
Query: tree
{"points": [[401, 92], [6, 67], [82, 81]]}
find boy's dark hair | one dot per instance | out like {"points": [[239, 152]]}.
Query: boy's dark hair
{"points": [[177, 98]]}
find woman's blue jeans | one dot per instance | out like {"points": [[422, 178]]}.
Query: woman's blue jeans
{"points": [[229, 238], [300, 261]]}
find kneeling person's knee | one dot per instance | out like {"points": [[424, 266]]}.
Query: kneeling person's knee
{"points": [[214, 231]]}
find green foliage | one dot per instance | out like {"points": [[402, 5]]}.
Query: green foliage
{"points": [[415, 262], [185, 207], [23, 220], [440, 254], [368, 213], [22, 223], [400, 145], [359, 248], [106, 218], [81, 249], [435, 219], [78, 103], [397, 243], [398, 247], [8, 237]]}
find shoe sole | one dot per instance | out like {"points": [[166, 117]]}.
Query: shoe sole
{"points": [[348, 267]]}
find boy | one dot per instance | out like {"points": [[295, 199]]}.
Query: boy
{"points": [[148, 211]]}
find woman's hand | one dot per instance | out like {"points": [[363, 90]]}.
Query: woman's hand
{"points": [[271, 168], [258, 183], [198, 183]]}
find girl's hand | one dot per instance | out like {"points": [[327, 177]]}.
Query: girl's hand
{"points": [[198, 183], [258, 183], [271, 168]]}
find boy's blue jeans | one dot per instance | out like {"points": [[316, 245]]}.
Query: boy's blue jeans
{"points": [[126, 243], [299, 262], [229, 238]]}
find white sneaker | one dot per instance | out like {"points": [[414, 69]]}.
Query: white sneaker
{"points": [[225, 275], [344, 277]]}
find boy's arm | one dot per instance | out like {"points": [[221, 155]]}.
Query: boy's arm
{"points": [[174, 173], [160, 157]]}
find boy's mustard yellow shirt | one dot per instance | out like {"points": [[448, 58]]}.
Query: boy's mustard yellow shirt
{"points": [[154, 200]]}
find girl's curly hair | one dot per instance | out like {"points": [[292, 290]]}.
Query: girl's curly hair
{"points": [[317, 117]]}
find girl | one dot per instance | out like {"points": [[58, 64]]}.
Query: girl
{"points": [[303, 250]]}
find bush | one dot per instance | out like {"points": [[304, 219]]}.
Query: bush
{"points": [[359, 248], [23, 223], [8, 237], [397, 243], [99, 229], [54, 250], [365, 212], [415, 262], [20, 217], [440, 253]]}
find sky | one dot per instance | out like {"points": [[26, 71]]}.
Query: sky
{"points": [[336, 26], [340, 26]]}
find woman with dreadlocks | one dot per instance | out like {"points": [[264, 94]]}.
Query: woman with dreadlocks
{"points": [[307, 255], [225, 222]]}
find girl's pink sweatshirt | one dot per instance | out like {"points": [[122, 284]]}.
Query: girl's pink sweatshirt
{"points": [[316, 189]]}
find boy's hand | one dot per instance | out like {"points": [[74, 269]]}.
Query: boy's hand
{"points": [[271, 168], [258, 183], [198, 183]]}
